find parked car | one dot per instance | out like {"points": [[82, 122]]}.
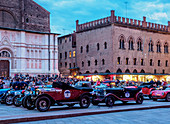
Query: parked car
{"points": [[61, 93], [161, 94], [147, 89], [110, 95], [3, 93]]}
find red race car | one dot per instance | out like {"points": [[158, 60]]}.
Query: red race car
{"points": [[161, 94], [147, 89]]}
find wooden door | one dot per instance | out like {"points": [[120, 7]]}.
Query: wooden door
{"points": [[4, 68]]}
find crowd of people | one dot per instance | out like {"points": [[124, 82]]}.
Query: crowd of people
{"points": [[20, 82]]}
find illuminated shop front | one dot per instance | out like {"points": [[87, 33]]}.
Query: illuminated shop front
{"points": [[126, 77]]}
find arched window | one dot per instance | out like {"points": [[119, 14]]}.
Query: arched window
{"points": [[139, 45], [166, 48], [150, 62], [127, 71], [81, 49], [158, 47], [87, 48], [142, 71], [98, 46], [135, 71], [150, 46], [131, 44], [119, 71], [121, 43], [105, 45]]}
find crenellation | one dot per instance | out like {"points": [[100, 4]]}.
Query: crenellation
{"points": [[139, 23], [119, 19], [123, 20], [131, 21], [135, 22], [156, 26], [127, 20]]}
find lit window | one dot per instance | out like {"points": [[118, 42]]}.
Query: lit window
{"points": [[127, 61], [134, 61], [70, 54], [74, 53], [118, 60], [142, 62]]}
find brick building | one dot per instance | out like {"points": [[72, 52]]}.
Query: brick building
{"points": [[67, 55], [26, 44], [117, 45]]}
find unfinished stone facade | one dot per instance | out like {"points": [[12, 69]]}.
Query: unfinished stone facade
{"points": [[122, 45], [24, 14]]}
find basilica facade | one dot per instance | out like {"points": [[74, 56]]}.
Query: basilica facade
{"points": [[26, 44]]}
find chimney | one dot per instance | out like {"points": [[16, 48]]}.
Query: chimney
{"points": [[168, 26]]}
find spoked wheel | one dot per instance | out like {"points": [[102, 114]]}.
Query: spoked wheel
{"points": [[29, 103], [8, 100], [168, 97], [139, 99], [23, 102], [94, 102], [43, 104], [110, 100], [17, 101], [84, 101]]}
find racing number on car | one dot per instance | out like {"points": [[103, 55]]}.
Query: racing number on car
{"points": [[67, 94], [127, 94]]}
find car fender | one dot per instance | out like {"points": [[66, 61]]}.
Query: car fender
{"points": [[88, 94], [111, 94], [52, 100]]}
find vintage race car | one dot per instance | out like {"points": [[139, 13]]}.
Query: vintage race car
{"points": [[161, 94], [3, 93], [110, 95], [147, 89], [61, 93]]}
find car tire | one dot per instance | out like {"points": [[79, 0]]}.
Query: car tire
{"points": [[15, 101], [94, 102], [23, 102], [110, 100], [29, 104], [167, 97], [150, 96], [154, 99], [139, 99], [43, 104], [85, 101], [9, 99]]}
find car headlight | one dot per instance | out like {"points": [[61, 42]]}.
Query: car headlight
{"points": [[31, 92], [26, 92], [37, 92], [163, 93], [9, 92], [17, 93]]}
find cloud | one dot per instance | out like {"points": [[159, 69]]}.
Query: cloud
{"points": [[158, 16]]}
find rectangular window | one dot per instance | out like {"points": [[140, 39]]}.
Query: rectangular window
{"points": [[88, 63], [60, 55], [74, 53], [65, 39], [127, 61], [36, 64], [74, 64], [60, 64], [118, 60], [142, 62], [32, 65], [66, 64], [134, 61], [28, 65], [166, 63], [70, 54], [159, 62], [70, 65], [150, 62], [65, 55]]}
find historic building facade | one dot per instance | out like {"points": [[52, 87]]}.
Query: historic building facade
{"points": [[67, 55], [122, 45], [26, 44]]}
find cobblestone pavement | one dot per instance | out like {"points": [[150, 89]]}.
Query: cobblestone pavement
{"points": [[152, 116]]}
